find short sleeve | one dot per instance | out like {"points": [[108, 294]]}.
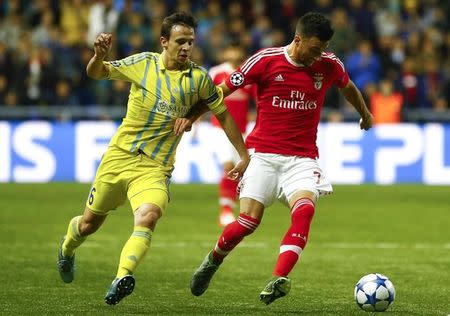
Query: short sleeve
{"points": [[128, 69], [341, 75]]}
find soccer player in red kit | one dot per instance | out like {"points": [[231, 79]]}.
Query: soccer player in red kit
{"points": [[291, 84], [238, 106]]}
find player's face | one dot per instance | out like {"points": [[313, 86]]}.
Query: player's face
{"points": [[310, 50], [178, 47]]}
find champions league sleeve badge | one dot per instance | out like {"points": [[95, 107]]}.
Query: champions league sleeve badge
{"points": [[115, 63], [236, 78]]}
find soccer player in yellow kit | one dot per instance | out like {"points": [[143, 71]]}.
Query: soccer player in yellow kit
{"points": [[140, 157]]}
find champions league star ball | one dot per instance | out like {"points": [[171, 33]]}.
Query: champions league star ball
{"points": [[374, 292]]}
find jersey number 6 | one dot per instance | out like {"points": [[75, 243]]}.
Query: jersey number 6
{"points": [[91, 196]]}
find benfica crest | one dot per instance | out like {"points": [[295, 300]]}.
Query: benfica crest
{"points": [[318, 77]]}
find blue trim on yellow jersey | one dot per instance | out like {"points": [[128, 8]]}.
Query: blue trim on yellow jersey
{"points": [[192, 89], [158, 83], [144, 80], [180, 84], [134, 59], [152, 113], [212, 98], [174, 145], [201, 81], [146, 127], [155, 134], [212, 87], [163, 139], [172, 98]]}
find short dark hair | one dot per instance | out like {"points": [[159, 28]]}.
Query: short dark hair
{"points": [[315, 24], [178, 18]]}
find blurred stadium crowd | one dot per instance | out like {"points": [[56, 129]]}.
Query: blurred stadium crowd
{"points": [[396, 51]]}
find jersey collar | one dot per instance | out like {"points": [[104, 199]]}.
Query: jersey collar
{"points": [[289, 59], [186, 70]]}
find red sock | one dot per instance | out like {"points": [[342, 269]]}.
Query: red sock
{"points": [[232, 235], [295, 239], [227, 188], [227, 208]]}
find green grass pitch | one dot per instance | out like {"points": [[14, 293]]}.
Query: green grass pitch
{"points": [[401, 231]]}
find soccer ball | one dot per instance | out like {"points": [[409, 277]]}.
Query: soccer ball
{"points": [[374, 292]]}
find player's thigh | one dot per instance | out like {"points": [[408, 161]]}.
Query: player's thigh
{"points": [[303, 174], [108, 190], [260, 180], [150, 187]]}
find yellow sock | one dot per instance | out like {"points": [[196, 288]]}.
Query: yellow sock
{"points": [[73, 238], [134, 250]]}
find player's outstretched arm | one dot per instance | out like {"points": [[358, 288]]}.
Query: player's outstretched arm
{"points": [[95, 67], [226, 91], [235, 137], [354, 96], [184, 124]]}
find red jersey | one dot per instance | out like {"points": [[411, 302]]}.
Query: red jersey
{"points": [[236, 103], [290, 97]]}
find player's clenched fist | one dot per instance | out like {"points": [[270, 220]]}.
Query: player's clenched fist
{"points": [[102, 45], [366, 122]]}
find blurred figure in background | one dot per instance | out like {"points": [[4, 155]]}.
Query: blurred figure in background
{"points": [[344, 38], [410, 83], [396, 30], [64, 93], [363, 65], [238, 106], [386, 104], [103, 17], [6, 71]]}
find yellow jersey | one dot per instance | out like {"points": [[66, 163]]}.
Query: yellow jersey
{"points": [[157, 97]]}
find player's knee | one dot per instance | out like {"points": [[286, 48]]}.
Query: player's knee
{"points": [[147, 216]]}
